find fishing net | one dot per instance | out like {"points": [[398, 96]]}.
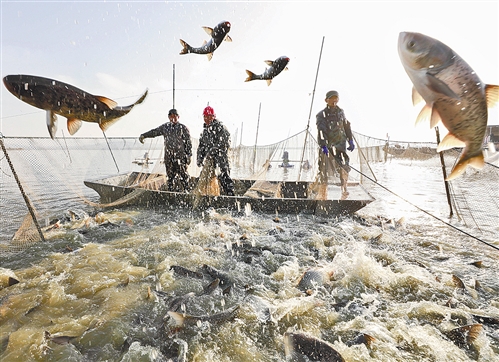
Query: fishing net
{"points": [[41, 179], [473, 197]]}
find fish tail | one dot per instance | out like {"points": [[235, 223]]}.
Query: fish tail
{"points": [[141, 99], [475, 161], [177, 317], [186, 47], [251, 76]]}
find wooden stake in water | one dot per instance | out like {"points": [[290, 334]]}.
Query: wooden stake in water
{"points": [[444, 171]]}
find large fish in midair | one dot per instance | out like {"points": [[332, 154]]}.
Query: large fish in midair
{"points": [[453, 92], [276, 67], [218, 35], [63, 99]]}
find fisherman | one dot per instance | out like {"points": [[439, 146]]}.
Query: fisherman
{"points": [[214, 142], [333, 133], [178, 151]]}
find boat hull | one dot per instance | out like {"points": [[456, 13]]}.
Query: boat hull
{"points": [[294, 198]]}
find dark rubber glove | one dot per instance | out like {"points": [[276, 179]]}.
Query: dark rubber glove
{"points": [[325, 150], [352, 146]]}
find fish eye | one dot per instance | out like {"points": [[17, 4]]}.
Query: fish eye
{"points": [[411, 44]]}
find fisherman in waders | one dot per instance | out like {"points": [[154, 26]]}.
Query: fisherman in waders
{"points": [[333, 133], [178, 151], [214, 142]]}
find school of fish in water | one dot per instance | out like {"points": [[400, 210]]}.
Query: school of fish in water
{"points": [[152, 285]]}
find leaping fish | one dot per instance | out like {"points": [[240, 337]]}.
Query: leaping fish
{"points": [[276, 67], [453, 92], [63, 99], [218, 34]]}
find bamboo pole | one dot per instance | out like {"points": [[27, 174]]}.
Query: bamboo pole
{"points": [[310, 112]]}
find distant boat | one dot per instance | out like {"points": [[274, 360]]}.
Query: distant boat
{"points": [[143, 160]]}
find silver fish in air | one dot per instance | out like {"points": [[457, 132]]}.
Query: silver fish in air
{"points": [[276, 67], [218, 35], [453, 92], [63, 99]]}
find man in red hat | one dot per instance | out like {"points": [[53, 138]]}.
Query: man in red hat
{"points": [[178, 151], [215, 142]]}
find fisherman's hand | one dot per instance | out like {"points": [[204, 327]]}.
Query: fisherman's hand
{"points": [[325, 150], [141, 139], [352, 146]]}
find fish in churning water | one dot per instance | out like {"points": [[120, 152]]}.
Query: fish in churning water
{"points": [[218, 35], [276, 67], [299, 344], [453, 92], [67, 101]]}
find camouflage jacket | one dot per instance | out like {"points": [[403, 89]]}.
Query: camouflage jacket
{"points": [[178, 145], [214, 141], [333, 128]]}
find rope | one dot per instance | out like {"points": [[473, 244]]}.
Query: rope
{"points": [[426, 212]]}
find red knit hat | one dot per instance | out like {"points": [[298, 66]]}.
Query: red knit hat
{"points": [[208, 111]]}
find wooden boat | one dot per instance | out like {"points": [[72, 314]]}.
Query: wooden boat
{"points": [[146, 189]]}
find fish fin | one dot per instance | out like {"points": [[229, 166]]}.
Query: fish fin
{"points": [[289, 349], [458, 283], [108, 102], [475, 330], [104, 125], [470, 332], [269, 62], [450, 141], [251, 76], [438, 86], [142, 98], [52, 123], [208, 30], [492, 94], [476, 162], [177, 317], [228, 38], [185, 47], [368, 339], [424, 115], [435, 117], [269, 81], [416, 97], [73, 125], [209, 55]]}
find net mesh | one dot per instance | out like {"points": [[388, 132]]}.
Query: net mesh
{"points": [[50, 174]]}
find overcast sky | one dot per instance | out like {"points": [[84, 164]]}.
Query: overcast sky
{"points": [[118, 49]]}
